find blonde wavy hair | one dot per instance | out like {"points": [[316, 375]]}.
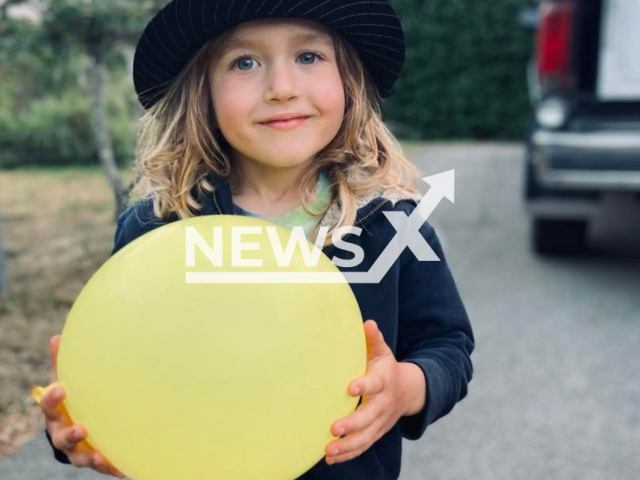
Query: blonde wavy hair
{"points": [[179, 144]]}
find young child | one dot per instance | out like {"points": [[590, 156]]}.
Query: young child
{"points": [[271, 108]]}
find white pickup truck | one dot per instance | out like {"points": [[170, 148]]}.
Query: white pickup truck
{"points": [[584, 137]]}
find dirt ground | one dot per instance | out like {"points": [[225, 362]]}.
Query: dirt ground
{"points": [[57, 228]]}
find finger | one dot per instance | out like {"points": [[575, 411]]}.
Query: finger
{"points": [[366, 414], [54, 343], [376, 345], [344, 457], [367, 385], [102, 465], [84, 457], [67, 438], [51, 404], [116, 473], [81, 458], [351, 446]]}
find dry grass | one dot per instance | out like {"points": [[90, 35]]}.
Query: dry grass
{"points": [[58, 228]]}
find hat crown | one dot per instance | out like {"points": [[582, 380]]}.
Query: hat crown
{"points": [[178, 31]]}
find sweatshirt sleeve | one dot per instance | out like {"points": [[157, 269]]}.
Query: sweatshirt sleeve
{"points": [[135, 221], [120, 238], [59, 455], [434, 333]]}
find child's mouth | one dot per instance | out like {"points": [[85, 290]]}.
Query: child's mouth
{"points": [[286, 124]]}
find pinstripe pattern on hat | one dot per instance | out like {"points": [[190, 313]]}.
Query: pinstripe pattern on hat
{"points": [[178, 31]]}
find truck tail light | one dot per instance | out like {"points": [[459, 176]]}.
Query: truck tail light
{"points": [[553, 44]]}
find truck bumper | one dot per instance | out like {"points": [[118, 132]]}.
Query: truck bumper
{"points": [[607, 161], [562, 208]]}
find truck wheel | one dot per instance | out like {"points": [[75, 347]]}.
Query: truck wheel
{"points": [[552, 236]]}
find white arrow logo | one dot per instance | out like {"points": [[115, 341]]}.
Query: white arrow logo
{"points": [[407, 228]]}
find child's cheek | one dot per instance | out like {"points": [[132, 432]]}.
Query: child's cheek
{"points": [[232, 105], [333, 102]]}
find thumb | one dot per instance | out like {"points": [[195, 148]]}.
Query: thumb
{"points": [[376, 345], [54, 343]]}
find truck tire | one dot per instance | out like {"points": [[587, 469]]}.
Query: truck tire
{"points": [[553, 236]]}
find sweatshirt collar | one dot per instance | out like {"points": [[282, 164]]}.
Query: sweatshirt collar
{"points": [[368, 204]]}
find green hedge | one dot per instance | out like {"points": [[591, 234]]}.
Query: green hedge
{"points": [[465, 71], [57, 130], [46, 119]]}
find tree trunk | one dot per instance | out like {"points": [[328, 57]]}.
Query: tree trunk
{"points": [[101, 131], [3, 278]]}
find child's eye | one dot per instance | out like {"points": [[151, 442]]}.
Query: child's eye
{"points": [[243, 63], [307, 58]]}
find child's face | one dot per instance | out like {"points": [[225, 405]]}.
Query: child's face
{"points": [[274, 67]]}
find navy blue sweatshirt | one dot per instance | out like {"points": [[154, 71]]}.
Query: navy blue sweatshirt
{"points": [[416, 305]]}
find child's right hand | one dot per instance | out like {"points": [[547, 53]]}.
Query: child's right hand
{"points": [[66, 436]]}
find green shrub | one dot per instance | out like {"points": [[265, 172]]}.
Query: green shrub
{"points": [[57, 130], [465, 70]]}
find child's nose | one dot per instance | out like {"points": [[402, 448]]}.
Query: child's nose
{"points": [[281, 82]]}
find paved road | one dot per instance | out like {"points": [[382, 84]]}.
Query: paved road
{"points": [[556, 390]]}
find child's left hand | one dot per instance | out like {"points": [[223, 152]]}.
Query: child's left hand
{"points": [[383, 402]]}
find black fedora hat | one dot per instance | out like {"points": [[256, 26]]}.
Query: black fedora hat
{"points": [[177, 32]]}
